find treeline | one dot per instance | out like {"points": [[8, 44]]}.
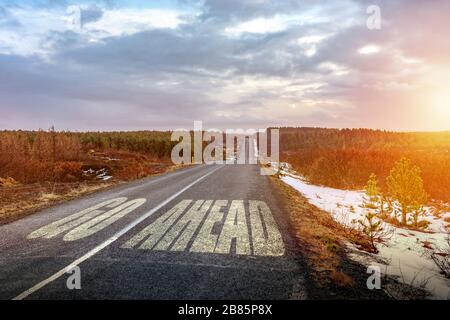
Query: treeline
{"points": [[37, 156], [346, 158], [156, 143], [293, 139]]}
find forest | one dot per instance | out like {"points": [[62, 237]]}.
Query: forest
{"points": [[346, 158], [38, 168], [37, 156]]}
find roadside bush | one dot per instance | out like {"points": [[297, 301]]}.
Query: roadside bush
{"points": [[67, 171]]}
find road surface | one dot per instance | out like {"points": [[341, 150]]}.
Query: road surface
{"points": [[203, 232]]}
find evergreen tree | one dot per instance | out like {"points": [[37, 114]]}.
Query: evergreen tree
{"points": [[373, 229], [372, 191], [406, 186]]}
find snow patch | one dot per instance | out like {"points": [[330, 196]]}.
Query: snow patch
{"points": [[101, 174], [404, 254]]}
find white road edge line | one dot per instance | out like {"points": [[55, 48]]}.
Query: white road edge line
{"points": [[106, 243]]}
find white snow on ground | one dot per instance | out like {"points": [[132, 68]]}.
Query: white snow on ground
{"points": [[110, 159], [99, 174], [404, 253]]}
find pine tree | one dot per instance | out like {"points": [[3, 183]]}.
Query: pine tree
{"points": [[406, 186], [383, 210], [417, 212], [372, 191], [373, 229]]}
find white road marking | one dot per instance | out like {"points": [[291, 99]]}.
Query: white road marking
{"points": [[185, 228], [206, 241], [156, 230], [56, 228], [103, 221], [88, 221], [234, 227], [272, 245], [106, 243], [175, 229]]}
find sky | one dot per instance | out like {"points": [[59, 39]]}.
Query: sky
{"points": [[133, 65]]}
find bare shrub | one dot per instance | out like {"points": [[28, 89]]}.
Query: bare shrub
{"points": [[441, 258]]}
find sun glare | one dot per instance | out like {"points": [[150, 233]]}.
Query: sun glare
{"points": [[440, 105]]}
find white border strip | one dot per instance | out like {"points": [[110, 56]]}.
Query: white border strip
{"points": [[106, 243]]}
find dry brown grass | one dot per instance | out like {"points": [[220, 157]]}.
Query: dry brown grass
{"points": [[18, 201], [8, 182], [320, 238]]}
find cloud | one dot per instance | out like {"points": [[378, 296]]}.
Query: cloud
{"points": [[30, 29], [7, 20], [234, 63], [90, 14]]}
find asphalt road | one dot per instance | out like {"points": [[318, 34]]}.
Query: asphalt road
{"points": [[203, 232]]}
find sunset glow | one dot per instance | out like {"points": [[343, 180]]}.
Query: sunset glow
{"points": [[163, 64], [440, 104]]}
